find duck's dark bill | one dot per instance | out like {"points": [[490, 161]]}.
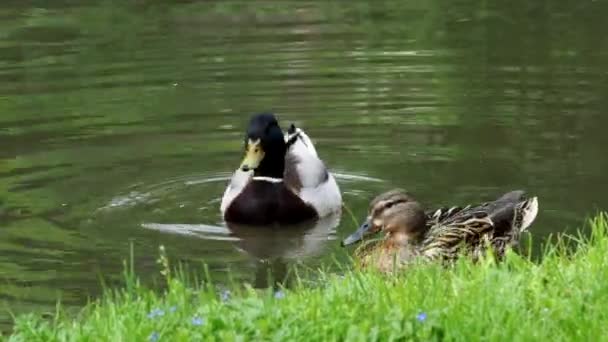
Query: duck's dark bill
{"points": [[364, 230]]}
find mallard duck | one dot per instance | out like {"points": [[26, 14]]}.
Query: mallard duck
{"points": [[443, 234], [281, 180]]}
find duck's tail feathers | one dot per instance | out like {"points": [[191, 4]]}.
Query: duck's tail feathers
{"points": [[529, 210], [298, 140]]}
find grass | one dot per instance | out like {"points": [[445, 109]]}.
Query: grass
{"points": [[562, 298]]}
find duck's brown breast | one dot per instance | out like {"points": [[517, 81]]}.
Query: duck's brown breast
{"points": [[264, 203]]}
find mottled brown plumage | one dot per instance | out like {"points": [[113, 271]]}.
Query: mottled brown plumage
{"points": [[443, 234]]}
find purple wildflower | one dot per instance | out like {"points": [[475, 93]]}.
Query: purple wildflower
{"points": [[225, 295], [156, 313], [198, 321], [279, 294], [421, 317], [154, 337]]}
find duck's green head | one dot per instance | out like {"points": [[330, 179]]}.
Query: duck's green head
{"points": [[265, 147]]}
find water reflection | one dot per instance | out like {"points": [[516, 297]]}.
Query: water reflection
{"points": [[276, 248], [201, 231], [270, 249], [296, 242]]}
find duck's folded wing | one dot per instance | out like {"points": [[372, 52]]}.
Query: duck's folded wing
{"points": [[445, 239], [433, 217], [296, 137], [303, 168], [307, 176]]}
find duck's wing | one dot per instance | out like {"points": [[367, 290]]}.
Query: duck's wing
{"points": [[433, 217], [446, 214], [468, 230], [295, 136], [307, 176], [303, 167], [498, 223], [512, 212]]}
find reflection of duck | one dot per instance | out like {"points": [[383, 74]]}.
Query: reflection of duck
{"points": [[271, 274], [443, 234], [281, 179], [298, 242], [273, 249], [270, 250]]}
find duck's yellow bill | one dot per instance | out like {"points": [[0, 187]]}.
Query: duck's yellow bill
{"points": [[253, 155]]}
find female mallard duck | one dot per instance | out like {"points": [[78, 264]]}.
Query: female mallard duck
{"points": [[281, 180], [443, 234]]}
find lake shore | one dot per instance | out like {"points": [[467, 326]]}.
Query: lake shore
{"points": [[562, 297]]}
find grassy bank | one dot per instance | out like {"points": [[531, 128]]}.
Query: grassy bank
{"points": [[562, 298]]}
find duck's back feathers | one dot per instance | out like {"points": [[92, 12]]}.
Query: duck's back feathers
{"points": [[441, 214], [445, 239]]}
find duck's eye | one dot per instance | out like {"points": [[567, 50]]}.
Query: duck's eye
{"points": [[256, 150], [392, 203]]}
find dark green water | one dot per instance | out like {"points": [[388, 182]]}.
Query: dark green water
{"points": [[121, 118]]}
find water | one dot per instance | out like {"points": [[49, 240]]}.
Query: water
{"points": [[121, 121]]}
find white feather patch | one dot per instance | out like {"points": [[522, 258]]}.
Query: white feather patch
{"points": [[318, 190], [302, 144], [325, 198], [529, 213], [267, 179], [238, 181]]}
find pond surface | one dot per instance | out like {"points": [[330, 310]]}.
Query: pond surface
{"points": [[121, 121]]}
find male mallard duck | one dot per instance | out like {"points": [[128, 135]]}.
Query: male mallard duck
{"points": [[442, 234], [281, 180]]}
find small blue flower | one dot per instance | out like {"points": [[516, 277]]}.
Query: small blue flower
{"points": [[156, 313], [198, 321], [279, 294], [225, 295], [154, 337], [421, 317], [173, 309]]}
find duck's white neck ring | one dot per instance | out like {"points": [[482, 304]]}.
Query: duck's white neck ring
{"points": [[268, 179]]}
